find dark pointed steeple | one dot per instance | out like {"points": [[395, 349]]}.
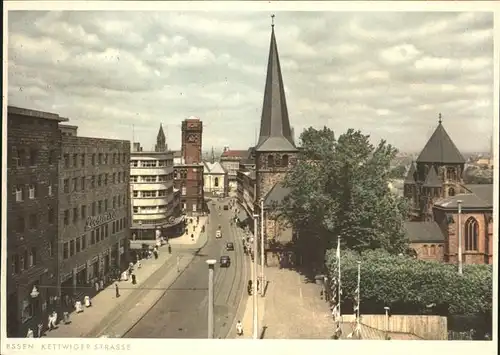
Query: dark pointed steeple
{"points": [[161, 141], [440, 148], [410, 177], [213, 155], [275, 131], [432, 180]]}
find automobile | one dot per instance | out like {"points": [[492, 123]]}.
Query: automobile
{"points": [[229, 246], [218, 234], [226, 207], [225, 261]]}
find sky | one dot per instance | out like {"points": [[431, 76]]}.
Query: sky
{"points": [[389, 74]]}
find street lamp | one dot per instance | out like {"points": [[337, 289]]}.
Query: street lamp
{"points": [[211, 265], [387, 319], [459, 203], [34, 293], [254, 295]]}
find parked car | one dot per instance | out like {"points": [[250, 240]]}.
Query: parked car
{"points": [[229, 246], [225, 261], [226, 207], [218, 234]]}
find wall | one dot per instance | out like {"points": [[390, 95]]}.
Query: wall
{"points": [[190, 177], [429, 251], [426, 327]]}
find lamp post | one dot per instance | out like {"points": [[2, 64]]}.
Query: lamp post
{"points": [[262, 255], [459, 203], [211, 265], [254, 294], [386, 309]]}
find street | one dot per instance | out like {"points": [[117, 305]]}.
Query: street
{"points": [[182, 310]]}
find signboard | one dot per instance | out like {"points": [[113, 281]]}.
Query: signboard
{"points": [[96, 221]]}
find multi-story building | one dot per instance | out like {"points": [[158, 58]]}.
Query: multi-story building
{"points": [[188, 174], [94, 209], [34, 147], [230, 161], [216, 179], [155, 203]]}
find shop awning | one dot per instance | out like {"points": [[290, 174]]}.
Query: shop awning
{"points": [[173, 221]]}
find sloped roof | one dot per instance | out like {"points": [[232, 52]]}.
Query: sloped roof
{"points": [[233, 154], [432, 180], [276, 195], [422, 232], [483, 191], [214, 168], [440, 149], [410, 177], [275, 130], [469, 201]]}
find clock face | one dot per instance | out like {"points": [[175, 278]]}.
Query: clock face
{"points": [[192, 138]]}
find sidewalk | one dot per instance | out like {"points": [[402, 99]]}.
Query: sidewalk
{"points": [[185, 241]]}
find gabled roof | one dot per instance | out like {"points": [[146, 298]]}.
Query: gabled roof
{"points": [[214, 168], [469, 201], [483, 191], [423, 232], [275, 131], [440, 149], [276, 195], [410, 177], [432, 180], [234, 154]]}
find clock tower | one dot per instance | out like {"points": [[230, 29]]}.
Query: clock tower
{"points": [[192, 129]]}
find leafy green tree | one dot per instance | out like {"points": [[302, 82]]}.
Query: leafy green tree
{"points": [[340, 187], [398, 172]]}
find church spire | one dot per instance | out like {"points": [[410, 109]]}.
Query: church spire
{"points": [[275, 132], [161, 142], [213, 155]]}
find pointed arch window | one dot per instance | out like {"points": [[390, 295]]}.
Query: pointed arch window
{"points": [[216, 182], [433, 249], [471, 233], [451, 192], [426, 250], [270, 161], [284, 160]]}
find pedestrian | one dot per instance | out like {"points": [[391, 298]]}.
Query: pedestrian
{"points": [[155, 252], [117, 290], [30, 333], [66, 317], [134, 281], [239, 328], [87, 302], [40, 330]]}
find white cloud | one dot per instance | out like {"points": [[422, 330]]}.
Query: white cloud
{"points": [[388, 74]]}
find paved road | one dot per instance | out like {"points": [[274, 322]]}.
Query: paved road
{"points": [[182, 310]]}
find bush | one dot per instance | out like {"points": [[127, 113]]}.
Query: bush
{"points": [[407, 285]]}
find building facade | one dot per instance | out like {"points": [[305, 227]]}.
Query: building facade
{"points": [[154, 203], [94, 211], [216, 182], [188, 175], [230, 161], [34, 148]]}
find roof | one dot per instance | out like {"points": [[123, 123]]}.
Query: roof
{"points": [[177, 154], [469, 201], [410, 177], [276, 195], [161, 134], [432, 180], [483, 191], [214, 168], [234, 154], [275, 131], [440, 149], [248, 157], [422, 232], [13, 110]]}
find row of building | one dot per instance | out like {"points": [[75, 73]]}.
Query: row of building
{"points": [[75, 204]]}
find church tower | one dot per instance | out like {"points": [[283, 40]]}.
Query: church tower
{"points": [[161, 141], [275, 152]]}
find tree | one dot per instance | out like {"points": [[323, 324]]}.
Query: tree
{"points": [[340, 187], [398, 172]]}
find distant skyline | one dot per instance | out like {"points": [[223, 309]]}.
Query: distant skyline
{"points": [[387, 74]]}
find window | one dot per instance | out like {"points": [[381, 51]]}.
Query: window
{"points": [[50, 190], [92, 237], [75, 184], [284, 161], [471, 234], [66, 160], [51, 215], [105, 205], [114, 178], [32, 192], [148, 178], [118, 157], [33, 221], [114, 201], [114, 158], [119, 201], [93, 159], [270, 161], [27, 311], [134, 163], [433, 249], [50, 248], [32, 258], [82, 183], [194, 207], [106, 230], [136, 209], [93, 209], [451, 192], [216, 182], [106, 156], [75, 214], [78, 244], [66, 185], [66, 250], [92, 181], [84, 242], [21, 224], [148, 163], [147, 194], [97, 235], [22, 262], [135, 193], [105, 179], [99, 159], [99, 207], [84, 211], [162, 193], [99, 180], [33, 157], [82, 160], [75, 160], [124, 158], [425, 249], [19, 193], [183, 192], [71, 248], [66, 217], [119, 177], [52, 156]]}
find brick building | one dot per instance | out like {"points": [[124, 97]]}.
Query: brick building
{"points": [[34, 148], [434, 186], [188, 174], [94, 210]]}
